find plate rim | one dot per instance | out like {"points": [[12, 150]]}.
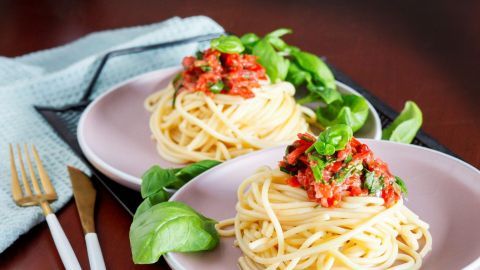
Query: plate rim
{"points": [[173, 263]]}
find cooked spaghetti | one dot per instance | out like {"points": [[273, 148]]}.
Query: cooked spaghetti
{"points": [[221, 127], [341, 222], [222, 105], [278, 227]]}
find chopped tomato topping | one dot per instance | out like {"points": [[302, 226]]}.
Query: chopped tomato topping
{"points": [[342, 174], [216, 72]]}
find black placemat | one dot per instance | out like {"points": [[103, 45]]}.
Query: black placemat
{"points": [[64, 120]]}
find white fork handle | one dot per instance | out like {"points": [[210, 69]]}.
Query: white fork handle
{"points": [[95, 256], [61, 242]]}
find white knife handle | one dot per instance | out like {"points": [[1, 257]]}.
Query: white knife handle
{"points": [[61, 242], [94, 252]]}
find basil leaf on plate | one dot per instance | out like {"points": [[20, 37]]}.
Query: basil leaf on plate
{"points": [[406, 125], [279, 32], [353, 111], [157, 178], [227, 44], [323, 83], [298, 76], [275, 64], [249, 40], [170, 227], [192, 170]]}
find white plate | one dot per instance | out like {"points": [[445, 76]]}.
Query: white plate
{"points": [[443, 191], [114, 133]]}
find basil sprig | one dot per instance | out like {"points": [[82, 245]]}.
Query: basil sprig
{"points": [[160, 226], [227, 44], [406, 125], [332, 139], [283, 61]]}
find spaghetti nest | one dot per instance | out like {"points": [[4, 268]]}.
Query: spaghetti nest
{"points": [[197, 126], [277, 227]]}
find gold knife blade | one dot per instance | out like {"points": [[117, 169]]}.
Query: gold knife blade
{"points": [[84, 194]]}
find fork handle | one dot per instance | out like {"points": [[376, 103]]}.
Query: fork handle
{"points": [[95, 256], [61, 242]]}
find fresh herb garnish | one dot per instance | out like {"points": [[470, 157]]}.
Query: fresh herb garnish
{"points": [[216, 87], [352, 111], [406, 125], [401, 185], [332, 139], [177, 83], [227, 44], [275, 65], [205, 68], [373, 183], [348, 159]]}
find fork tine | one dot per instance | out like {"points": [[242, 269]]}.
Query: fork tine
{"points": [[26, 185], [36, 187], [46, 183], [16, 189]]}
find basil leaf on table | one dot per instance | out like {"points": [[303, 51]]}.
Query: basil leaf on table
{"points": [[170, 227], [332, 139], [353, 111], [406, 125], [275, 64], [227, 44]]}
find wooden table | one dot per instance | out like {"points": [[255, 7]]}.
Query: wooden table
{"points": [[399, 50]]}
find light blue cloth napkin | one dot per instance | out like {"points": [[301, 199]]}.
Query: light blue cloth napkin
{"points": [[60, 76]]}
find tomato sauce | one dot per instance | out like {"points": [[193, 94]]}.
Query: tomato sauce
{"points": [[214, 72], [353, 171]]}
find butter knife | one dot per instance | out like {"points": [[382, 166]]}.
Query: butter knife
{"points": [[84, 194]]}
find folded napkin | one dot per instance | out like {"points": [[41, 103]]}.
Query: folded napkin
{"points": [[60, 76]]}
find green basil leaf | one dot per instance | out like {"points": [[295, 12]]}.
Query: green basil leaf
{"points": [[372, 183], [319, 92], [216, 87], [298, 76], [249, 40], [353, 111], [406, 125], [332, 139], [170, 227], [275, 64], [159, 197], [191, 171], [157, 178], [277, 43], [324, 83], [279, 32], [227, 44], [401, 185]]}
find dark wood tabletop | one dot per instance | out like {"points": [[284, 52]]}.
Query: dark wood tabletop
{"points": [[426, 51]]}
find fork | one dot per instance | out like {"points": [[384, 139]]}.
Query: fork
{"points": [[40, 198]]}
